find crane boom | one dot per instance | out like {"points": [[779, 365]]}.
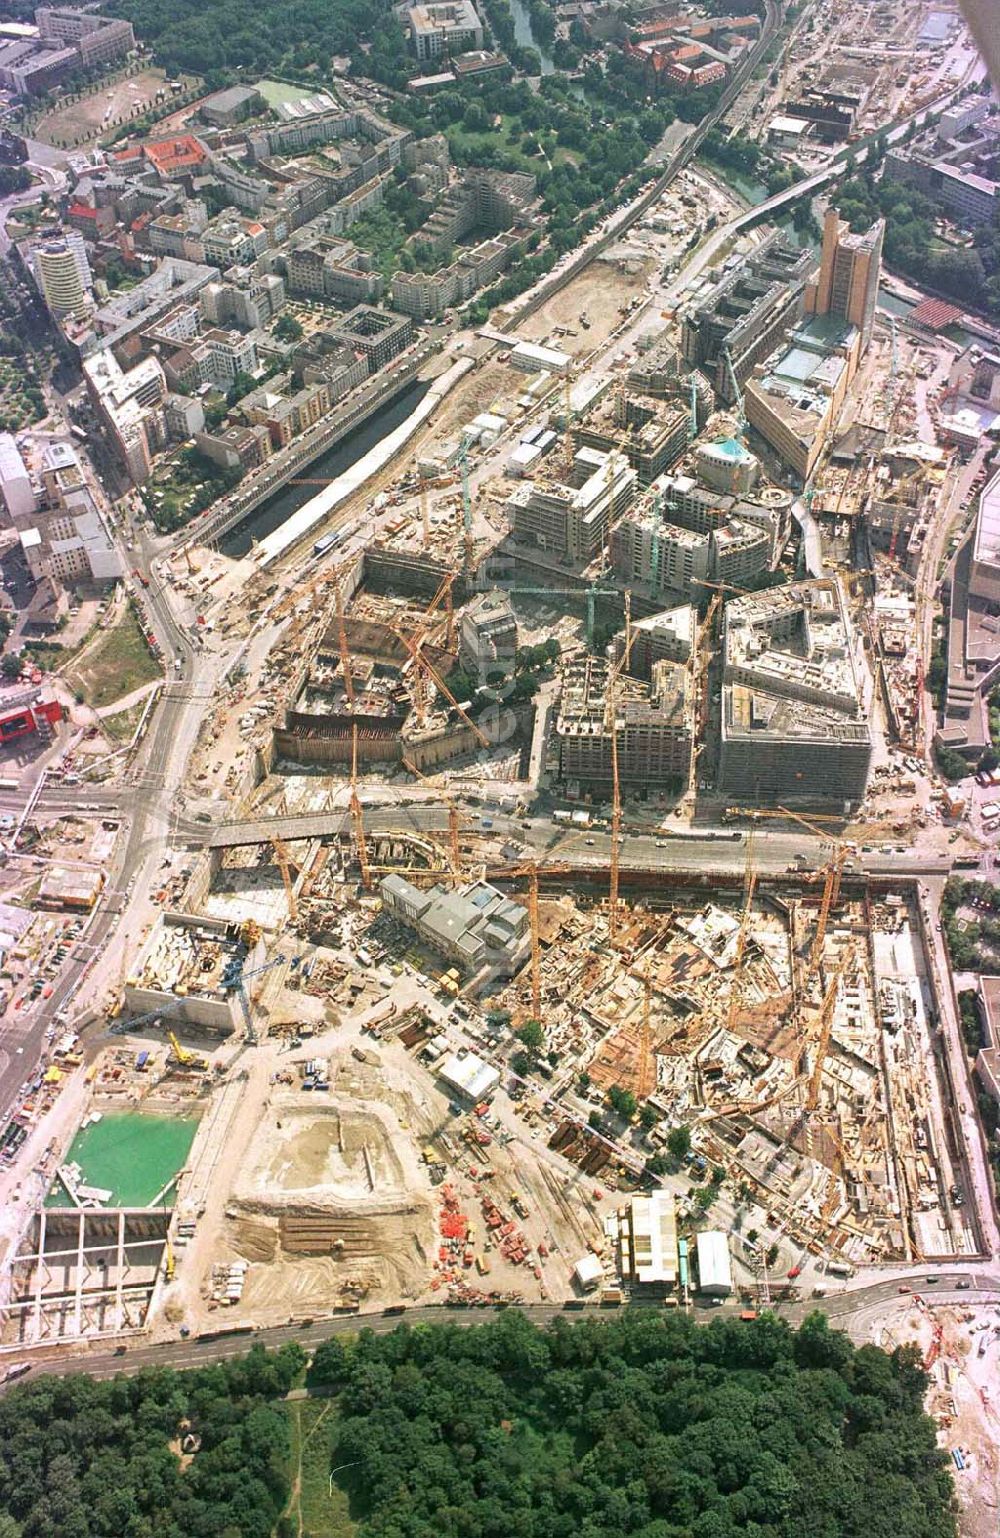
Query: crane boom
{"points": [[358, 816], [536, 960], [616, 817]]}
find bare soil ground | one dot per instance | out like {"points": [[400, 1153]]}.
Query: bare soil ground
{"points": [[87, 119], [599, 293]]}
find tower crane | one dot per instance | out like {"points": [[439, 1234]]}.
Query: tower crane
{"points": [[741, 415], [345, 651], [454, 851], [536, 959], [616, 814], [833, 871], [736, 991], [284, 865], [823, 1034], [421, 667], [357, 815], [647, 1059], [463, 464]]}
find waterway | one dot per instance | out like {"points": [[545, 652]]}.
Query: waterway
{"points": [[271, 514], [131, 1155], [522, 32], [894, 304]]}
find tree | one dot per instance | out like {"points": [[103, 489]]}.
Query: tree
{"points": [[497, 1019], [287, 328], [10, 665], [623, 1101], [521, 1064], [679, 1142], [531, 1035], [649, 1116]]}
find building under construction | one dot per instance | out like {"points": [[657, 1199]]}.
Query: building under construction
{"points": [[649, 726], [651, 433], [192, 968]]}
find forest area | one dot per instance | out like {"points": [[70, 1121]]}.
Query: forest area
{"points": [[642, 1424]]}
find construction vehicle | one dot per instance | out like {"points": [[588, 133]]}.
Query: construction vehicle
{"points": [[184, 1058]]}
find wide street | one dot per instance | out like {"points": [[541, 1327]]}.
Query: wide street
{"points": [[854, 1308]]}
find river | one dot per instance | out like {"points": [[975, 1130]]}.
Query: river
{"points": [[273, 513]]}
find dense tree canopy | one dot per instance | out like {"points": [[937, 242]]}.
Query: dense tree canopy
{"points": [[645, 1425], [80, 1457], [640, 1424]]}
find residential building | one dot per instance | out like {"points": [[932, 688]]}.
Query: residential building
{"points": [[62, 273], [65, 539], [236, 448], [849, 272], [651, 434], [450, 26], [427, 295], [666, 637], [184, 416], [230, 241]]}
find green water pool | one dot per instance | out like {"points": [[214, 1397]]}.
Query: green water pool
{"points": [[131, 1155]]}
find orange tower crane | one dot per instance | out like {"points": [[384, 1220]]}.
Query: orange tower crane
{"points": [[647, 1060], [345, 651], [357, 815], [736, 991], [536, 959], [284, 865], [824, 1032]]}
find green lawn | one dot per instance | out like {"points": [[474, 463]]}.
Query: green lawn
{"points": [[313, 1510], [118, 663], [275, 92]]}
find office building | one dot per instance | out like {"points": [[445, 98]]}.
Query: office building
{"points": [[488, 635], [99, 40], [15, 482], [474, 926], [654, 722], [795, 726], [378, 334], [746, 314], [795, 397], [849, 271], [130, 405], [450, 27], [572, 517], [62, 273], [648, 1242]]}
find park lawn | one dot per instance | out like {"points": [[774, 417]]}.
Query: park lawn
{"points": [[469, 146], [120, 662], [312, 1508]]}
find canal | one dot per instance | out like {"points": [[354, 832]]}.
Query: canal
{"points": [[522, 32], [270, 515]]}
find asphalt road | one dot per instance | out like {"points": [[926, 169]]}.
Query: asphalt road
{"points": [[849, 1304]]}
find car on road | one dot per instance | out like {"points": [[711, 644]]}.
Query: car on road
{"points": [[931, 1281], [904, 1289], [962, 1286]]}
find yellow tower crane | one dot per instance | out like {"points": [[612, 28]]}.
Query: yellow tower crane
{"points": [[345, 652], [647, 1059], [736, 991]]}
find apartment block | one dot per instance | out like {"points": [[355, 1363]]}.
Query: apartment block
{"points": [[64, 538]]}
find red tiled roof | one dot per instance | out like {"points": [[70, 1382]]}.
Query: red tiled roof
{"points": [[935, 314]]}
